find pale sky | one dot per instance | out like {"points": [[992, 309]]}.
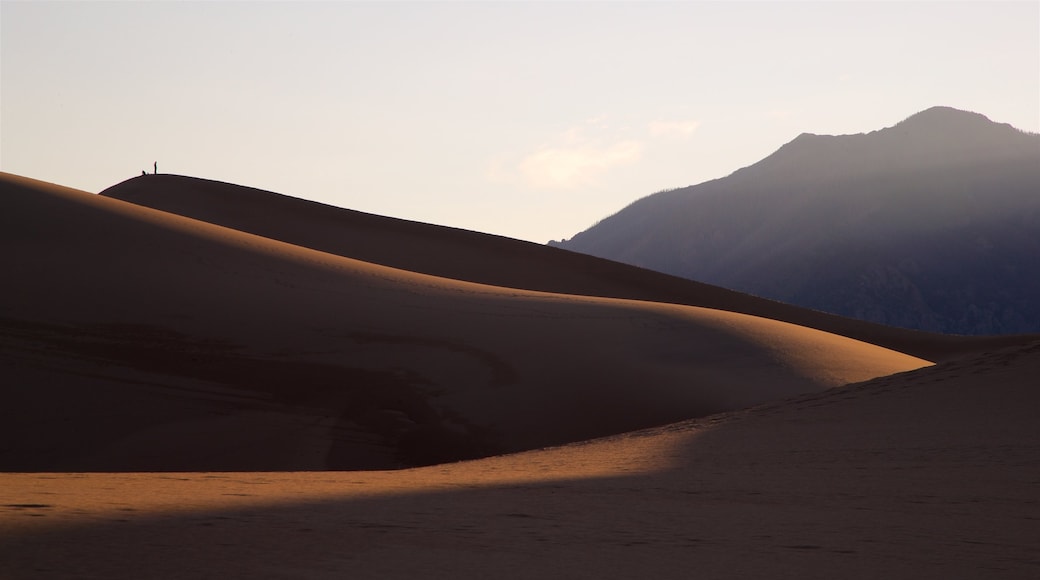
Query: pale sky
{"points": [[531, 120]]}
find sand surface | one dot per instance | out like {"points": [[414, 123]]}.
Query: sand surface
{"points": [[927, 474], [137, 339], [173, 390]]}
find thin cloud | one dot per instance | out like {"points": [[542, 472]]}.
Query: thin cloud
{"points": [[577, 157], [673, 128], [572, 166]]}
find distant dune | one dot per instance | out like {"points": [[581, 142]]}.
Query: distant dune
{"points": [[933, 224], [930, 474], [136, 339], [487, 259]]}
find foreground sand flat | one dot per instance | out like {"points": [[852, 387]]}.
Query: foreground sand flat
{"points": [[933, 473]]}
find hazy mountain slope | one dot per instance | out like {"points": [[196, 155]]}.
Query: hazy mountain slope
{"points": [[931, 224], [488, 259], [134, 339]]}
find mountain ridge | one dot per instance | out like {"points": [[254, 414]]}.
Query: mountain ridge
{"points": [[878, 199]]}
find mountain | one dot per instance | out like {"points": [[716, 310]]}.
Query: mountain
{"points": [[931, 224], [137, 339]]}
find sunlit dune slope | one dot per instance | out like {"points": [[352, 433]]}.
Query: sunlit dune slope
{"points": [[136, 339], [921, 475], [488, 259]]}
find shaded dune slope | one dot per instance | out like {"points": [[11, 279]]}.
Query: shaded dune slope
{"points": [[136, 339], [495, 260]]}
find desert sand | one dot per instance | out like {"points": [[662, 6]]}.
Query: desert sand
{"points": [[175, 393], [927, 474], [166, 343]]}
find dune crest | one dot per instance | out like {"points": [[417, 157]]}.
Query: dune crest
{"points": [[487, 259], [194, 346]]}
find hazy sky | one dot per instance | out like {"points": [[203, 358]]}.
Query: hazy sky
{"points": [[532, 120]]}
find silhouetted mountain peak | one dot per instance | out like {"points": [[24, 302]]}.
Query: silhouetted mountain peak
{"points": [[953, 136], [935, 136], [946, 126], [944, 119]]}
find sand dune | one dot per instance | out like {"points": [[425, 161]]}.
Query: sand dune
{"points": [[488, 259], [133, 339], [926, 474], [136, 339]]}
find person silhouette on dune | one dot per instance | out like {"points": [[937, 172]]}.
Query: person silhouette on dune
{"points": [[155, 168]]}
